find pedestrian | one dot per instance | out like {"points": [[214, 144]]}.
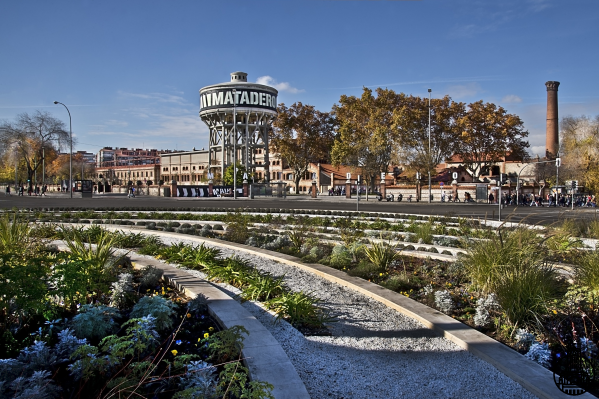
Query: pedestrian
{"points": [[8, 189], [491, 198], [44, 189]]}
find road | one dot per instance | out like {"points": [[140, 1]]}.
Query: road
{"points": [[532, 215]]}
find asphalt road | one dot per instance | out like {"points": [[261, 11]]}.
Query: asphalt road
{"points": [[532, 215]]}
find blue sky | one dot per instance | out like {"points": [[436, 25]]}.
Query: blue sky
{"points": [[130, 71]]}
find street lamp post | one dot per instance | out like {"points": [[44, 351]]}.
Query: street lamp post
{"points": [[71, 152], [429, 147], [234, 145]]}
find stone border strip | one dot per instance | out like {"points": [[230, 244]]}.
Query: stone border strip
{"points": [[262, 353]]}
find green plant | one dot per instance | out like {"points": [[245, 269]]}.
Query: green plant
{"points": [[234, 383], [587, 270], [511, 264], [94, 322], [299, 309], [381, 254], [23, 282], [200, 256], [102, 254], [14, 233], [397, 283], [340, 256], [150, 276], [158, 307], [225, 345], [237, 227], [424, 232], [263, 287], [561, 244], [75, 279]]}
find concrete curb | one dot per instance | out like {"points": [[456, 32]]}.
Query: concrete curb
{"points": [[530, 375]]}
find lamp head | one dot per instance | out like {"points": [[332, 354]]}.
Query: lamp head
{"points": [[429, 90], [55, 102]]}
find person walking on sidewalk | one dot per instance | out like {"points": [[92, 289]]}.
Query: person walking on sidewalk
{"points": [[8, 189]]}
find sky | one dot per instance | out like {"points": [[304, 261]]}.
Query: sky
{"points": [[130, 71]]}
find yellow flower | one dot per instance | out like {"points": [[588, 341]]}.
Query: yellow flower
{"points": [[158, 256], [174, 352], [188, 315], [554, 311], [211, 329], [381, 274], [206, 335], [77, 292]]}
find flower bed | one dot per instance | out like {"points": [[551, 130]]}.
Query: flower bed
{"points": [[85, 323]]}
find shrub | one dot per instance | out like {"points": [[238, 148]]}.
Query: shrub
{"points": [[150, 276], [299, 309], [94, 322], [200, 377], [198, 305], [381, 254], [540, 353], [121, 290], [340, 256], [524, 339], [278, 243], [397, 283], [365, 270], [225, 345], [511, 265], [39, 385], [263, 287], [587, 270], [206, 231], [444, 301], [157, 307]]}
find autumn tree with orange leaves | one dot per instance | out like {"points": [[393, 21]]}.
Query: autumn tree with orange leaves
{"points": [[32, 137], [489, 133], [301, 134]]}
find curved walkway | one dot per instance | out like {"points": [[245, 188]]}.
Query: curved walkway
{"points": [[442, 369]]}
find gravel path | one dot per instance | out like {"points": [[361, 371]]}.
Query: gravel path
{"points": [[374, 351]]}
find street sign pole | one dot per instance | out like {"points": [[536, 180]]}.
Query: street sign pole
{"points": [[358, 194]]}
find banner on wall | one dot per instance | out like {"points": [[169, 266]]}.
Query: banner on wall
{"points": [[202, 191]]}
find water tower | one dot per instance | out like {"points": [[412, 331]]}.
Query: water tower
{"points": [[239, 115]]}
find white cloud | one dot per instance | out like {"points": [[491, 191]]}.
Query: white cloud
{"points": [[464, 91], [511, 99], [539, 5], [159, 97], [283, 86], [537, 150]]}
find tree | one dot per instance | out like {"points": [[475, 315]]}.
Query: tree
{"points": [[579, 150], [59, 167], [489, 133], [301, 134], [411, 121], [230, 173], [32, 135], [366, 133]]}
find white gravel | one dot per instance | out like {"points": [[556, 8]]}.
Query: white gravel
{"points": [[374, 351]]}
